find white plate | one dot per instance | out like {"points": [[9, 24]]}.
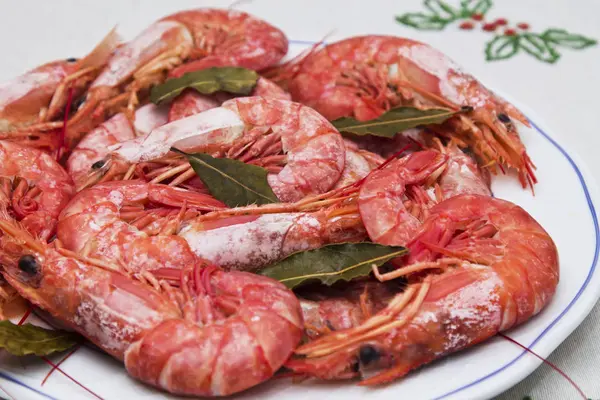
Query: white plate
{"points": [[563, 203]]}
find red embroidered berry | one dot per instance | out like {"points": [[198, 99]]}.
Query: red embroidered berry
{"points": [[477, 16], [510, 32], [466, 25], [489, 27], [523, 25], [501, 21]]}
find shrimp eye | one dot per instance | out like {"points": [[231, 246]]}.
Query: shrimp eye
{"points": [[98, 164], [71, 59], [504, 118], [77, 103], [368, 354], [29, 265], [466, 108]]}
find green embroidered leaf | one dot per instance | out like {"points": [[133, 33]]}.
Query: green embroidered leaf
{"points": [[442, 9], [423, 21], [235, 80], [502, 47], [470, 7], [231, 181], [563, 38], [331, 263], [22, 340], [535, 45], [394, 121]]}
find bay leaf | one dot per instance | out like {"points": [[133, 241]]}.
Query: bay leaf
{"points": [[234, 80], [231, 181], [331, 263], [22, 340], [394, 121]]}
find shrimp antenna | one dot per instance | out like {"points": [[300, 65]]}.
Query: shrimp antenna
{"points": [[554, 367]]}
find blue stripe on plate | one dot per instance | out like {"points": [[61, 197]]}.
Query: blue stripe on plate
{"points": [[15, 380]]}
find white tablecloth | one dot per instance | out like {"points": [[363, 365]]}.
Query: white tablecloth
{"points": [[566, 94]]}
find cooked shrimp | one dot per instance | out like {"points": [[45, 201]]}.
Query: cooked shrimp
{"points": [[24, 99], [365, 76], [191, 102], [95, 145], [382, 195], [130, 221], [347, 305], [500, 268], [219, 334], [358, 164], [33, 188], [212, 37], [30, 103], [252, 242], [462, 174], [261, 131]]}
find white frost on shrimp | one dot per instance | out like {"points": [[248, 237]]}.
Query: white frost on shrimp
{"points": [[256, 243], [437, 64]]}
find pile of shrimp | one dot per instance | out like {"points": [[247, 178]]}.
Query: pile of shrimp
{"points": [[117, 237]]}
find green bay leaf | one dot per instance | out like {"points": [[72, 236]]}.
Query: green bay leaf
{"points": [[394, 121], [22, 340], [234, 80], [332, 263], [231, 181]]}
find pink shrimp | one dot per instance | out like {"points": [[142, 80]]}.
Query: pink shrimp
{"points": [[358, 164], [462, 175], [33, 188], [191, 102], [214, 37], [130, 221], [218, 334], [382, 195], [251, 242], [305, 153], [23, 98], [344, 306], [30, 103], [365, 76], [94, 146], [24, 101], [499, 268]]}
